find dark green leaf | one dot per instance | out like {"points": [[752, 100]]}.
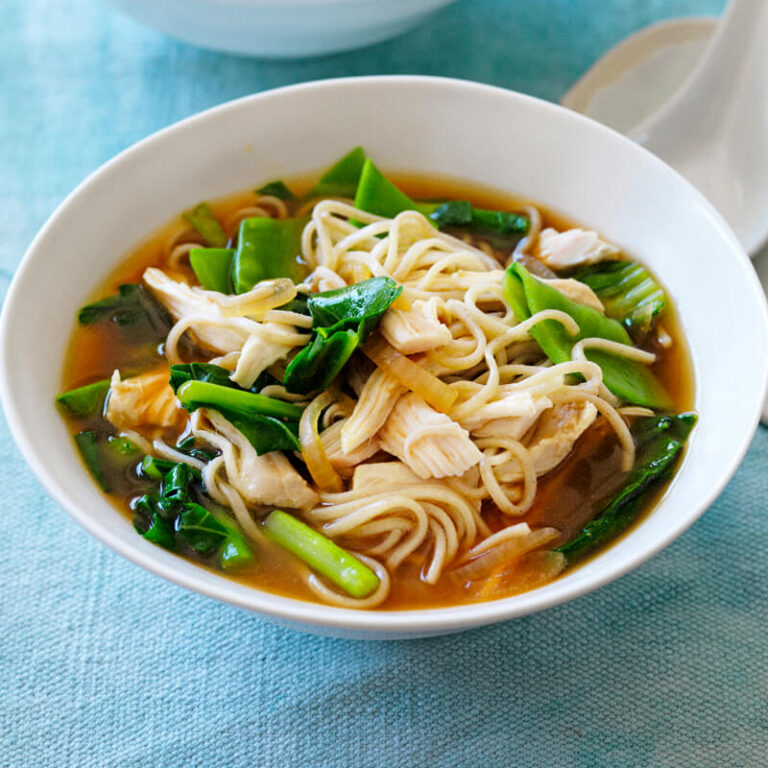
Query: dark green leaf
{"points": [[202, 219], [214, 374], [265, 433], [356, 307], [200, 530], [276, 189], [88, 445], [148, 521], [320, 362], [660, 441], [460, 213], [133, 309]]}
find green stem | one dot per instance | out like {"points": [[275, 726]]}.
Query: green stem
{"points": [[320, 553], [201, 394]]}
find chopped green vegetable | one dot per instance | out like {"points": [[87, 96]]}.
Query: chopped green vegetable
{"points": [[298, 304], [267, 248], [202, 219], [108, 457], [88, 445], [133, 309], [628, 291], [359, 306], [276, 189], [321, 361], [213, 268], [170, 515], [378, 195], [341, 179], [320, 553], [201, 394], [460, 213], [200, 529], [342, 319], [84, 401], [627, 379], [214, 374], [151, 524], [660, 440]]}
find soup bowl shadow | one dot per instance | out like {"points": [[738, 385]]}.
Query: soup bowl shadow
{"points": [[430, 126]]}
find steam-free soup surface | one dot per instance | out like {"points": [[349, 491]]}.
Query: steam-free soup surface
{"points": [[566, 497]]}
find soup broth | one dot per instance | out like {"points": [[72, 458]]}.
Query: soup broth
{"points": [[567, 497]]}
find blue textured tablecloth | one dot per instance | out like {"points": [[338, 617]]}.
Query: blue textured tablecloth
{"points": [[102, 664]]}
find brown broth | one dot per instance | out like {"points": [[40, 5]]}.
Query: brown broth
{"points": [[567, 497]]}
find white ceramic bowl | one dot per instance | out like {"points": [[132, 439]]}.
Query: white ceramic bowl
{"points": [[432, 126], [281, 28]]}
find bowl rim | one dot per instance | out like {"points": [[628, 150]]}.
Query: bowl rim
{"points": [[420, 620]]}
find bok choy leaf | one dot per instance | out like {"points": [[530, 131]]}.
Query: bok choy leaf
{"points": [[627, 379]]}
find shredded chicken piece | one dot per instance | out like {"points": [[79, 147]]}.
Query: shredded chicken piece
{"points": [[430, 443], [211, 329], [578, 292], [217, 326], [269, 479], [345, 463], [414, 330], [143, 401], [573, 248], [556, 432], [510, 416], [377, 399]]}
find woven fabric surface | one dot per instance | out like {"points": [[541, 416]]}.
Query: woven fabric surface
{"points": [[102, 664]]}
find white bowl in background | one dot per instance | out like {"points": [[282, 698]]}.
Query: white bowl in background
{"points": [[281, 28], [430, 126]]}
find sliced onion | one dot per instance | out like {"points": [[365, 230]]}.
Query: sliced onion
{"points": [[437, 393], [312, 451]]}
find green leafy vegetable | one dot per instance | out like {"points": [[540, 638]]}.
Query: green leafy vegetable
{"points": [[320, 553], [108, 457], [213, 268], [460, 213], [342, 319], [628, 291], [213, 374], [202, 394], [660, 441], [170, 516], [133, 309], [267, 248], [321, 361], [84, 401], [276, 189], [202, 219], [359, 306], [341, 179], [378, 195], [627, 379]]}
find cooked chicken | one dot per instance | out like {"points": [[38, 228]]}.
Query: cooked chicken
{"points": [[143, 401], [269, 479], [578, 292], [509, 416], [268, 343], [377, 399], [211, 328], [573, 248], [556, 432], [430, 443], [344, 463], [417, 329]]}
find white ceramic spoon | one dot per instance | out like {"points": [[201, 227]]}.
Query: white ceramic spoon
{"points": [[714, 128]]}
